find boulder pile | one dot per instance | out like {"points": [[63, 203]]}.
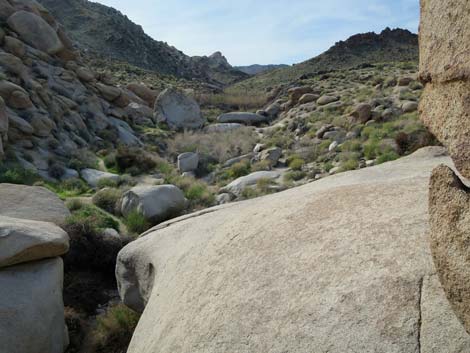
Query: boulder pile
{"points": [[51, 104], [31, 270]]}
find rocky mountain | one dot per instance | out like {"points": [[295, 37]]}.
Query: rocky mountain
{"points": [[258, 69], [397, 45], [106, 32]]}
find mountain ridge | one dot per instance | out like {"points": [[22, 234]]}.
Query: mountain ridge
{"points": [[390, 45], [106, 32]]}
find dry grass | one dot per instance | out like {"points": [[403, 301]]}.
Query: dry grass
{"points": [[113, 330], [233, 101], [220, 146]]}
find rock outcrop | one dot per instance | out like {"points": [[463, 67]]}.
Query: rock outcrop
{"points": [[52, 105], [339, 265], [155, 203], [243, 118], [32, 203], [445, 109], [31, 310], [31, 270], [179, 111]]}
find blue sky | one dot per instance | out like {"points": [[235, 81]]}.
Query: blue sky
{"points": [[264, 31]]}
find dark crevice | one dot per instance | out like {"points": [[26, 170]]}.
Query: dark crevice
{"points": [[420, 298]]}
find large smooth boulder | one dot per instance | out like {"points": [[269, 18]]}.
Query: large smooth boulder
{"points": [[145, 93], [31, 309], [24, 241], [449, 203], [155, 203], [339, 265], [444, 67], [188, 162], [35, 31], [445, 109], [243, 118], [178, 110], [32, 203], [94, 176], [237, 186]]}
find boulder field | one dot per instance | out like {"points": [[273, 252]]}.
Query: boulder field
{"points": [[338, 265]]}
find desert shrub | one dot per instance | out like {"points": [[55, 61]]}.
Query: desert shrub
{"points": [[220, 146], [370, 149], [56, 170], [350, 164], [232, 101], [403, 142], [294, 175], [261, 166], [74, 204], [136, 222], [263, 187], [83, 159], [134, 161], [199, 195], [387, 157], [239, 169], [197, 192], [296, 163], [15, 174], [110, 160], [89, 248], [107, 183], [107, 199], [351, 146], [113, 331], [68, 188]]}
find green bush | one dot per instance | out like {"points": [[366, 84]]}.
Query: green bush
{"points": [[107, 199], [239, 169], [134, 161], [89, 249], [261, 166], [91, 219], [74, 204], [387, 157], [350, 164], [83, 159], [197, 192], [296, 164], [136, 222], [68, 188], [113, 331], [294, 175], [107, 183], [15, 174]]}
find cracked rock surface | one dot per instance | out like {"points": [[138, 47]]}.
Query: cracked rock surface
{"points": [[339, 265]]}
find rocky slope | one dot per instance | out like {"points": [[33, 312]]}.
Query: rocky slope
{"points": [[395, 45], [258, 69], [104, 31], [339, 265]]}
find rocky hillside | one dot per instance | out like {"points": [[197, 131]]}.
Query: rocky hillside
{"points": [[396, 45], [104, 31], [258, 69]]}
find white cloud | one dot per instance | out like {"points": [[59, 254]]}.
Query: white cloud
{"points": [[263, 31]]}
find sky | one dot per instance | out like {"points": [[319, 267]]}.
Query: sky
{"points": [[264, 31]]}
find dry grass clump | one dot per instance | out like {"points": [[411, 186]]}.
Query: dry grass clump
{"points": [[221, 146], [113, 331], [232, 101]]}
